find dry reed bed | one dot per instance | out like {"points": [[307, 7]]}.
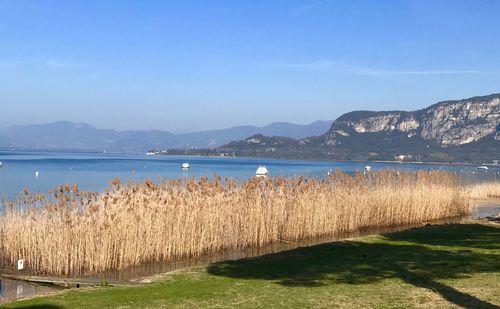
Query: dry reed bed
{"points": [[485, 190], [80, 233]]}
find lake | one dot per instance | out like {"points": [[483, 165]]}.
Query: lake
{"points": [[16, 289], [92, 172]]}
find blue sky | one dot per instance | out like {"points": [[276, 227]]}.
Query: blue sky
{"points": [[193, 65]]}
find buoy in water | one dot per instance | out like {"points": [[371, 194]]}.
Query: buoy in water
{"points": [[36, 174], [261, 171]]}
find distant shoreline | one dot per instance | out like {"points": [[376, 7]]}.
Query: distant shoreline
{"points": [[76, 151], [333, 160]]}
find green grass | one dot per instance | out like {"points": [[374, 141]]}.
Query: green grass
{"points": [[434, 266]]}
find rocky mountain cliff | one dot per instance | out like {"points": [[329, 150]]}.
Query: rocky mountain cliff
{"points": [[448, 123], [452, 131]]}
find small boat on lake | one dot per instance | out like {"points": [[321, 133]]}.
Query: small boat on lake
{"points": [[185, 166], [261, 171], [1, 164], [482, 167]]}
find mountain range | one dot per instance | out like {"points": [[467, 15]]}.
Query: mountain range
{"points": [[466, 130], [65, 135]]}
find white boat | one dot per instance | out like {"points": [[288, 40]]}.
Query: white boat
{"points": [[261, 171], [1, 164], [368, 168], [482, 167], [185, 166]]}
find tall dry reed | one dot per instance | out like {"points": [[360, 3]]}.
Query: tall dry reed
{"points": [[80, 232], [484, 190]]}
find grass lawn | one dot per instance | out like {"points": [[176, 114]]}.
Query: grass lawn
{"points": [[435, 266]]}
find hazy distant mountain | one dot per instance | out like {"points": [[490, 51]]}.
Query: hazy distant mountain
{"points": [[68, 135], [217, 138], [451, 131], [56, 135]]}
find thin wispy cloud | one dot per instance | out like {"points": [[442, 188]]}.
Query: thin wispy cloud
{"points": [[306, 8], [338, 67], [371, 72], [58, 64], [320, 65]]}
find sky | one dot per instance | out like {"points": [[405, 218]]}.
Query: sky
{"points": [[195, 65]]}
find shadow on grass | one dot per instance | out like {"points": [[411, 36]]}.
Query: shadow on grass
{"points": [[41, 306], [419, 257]]}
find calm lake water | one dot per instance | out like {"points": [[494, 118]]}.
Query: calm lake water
{"points": [[94, 171], [17, 289]]}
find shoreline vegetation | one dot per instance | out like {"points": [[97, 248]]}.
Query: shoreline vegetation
{"points": [[193, 153], [434, 266], [187, 153], [81, 233], [214, 153], [484, 190]]}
